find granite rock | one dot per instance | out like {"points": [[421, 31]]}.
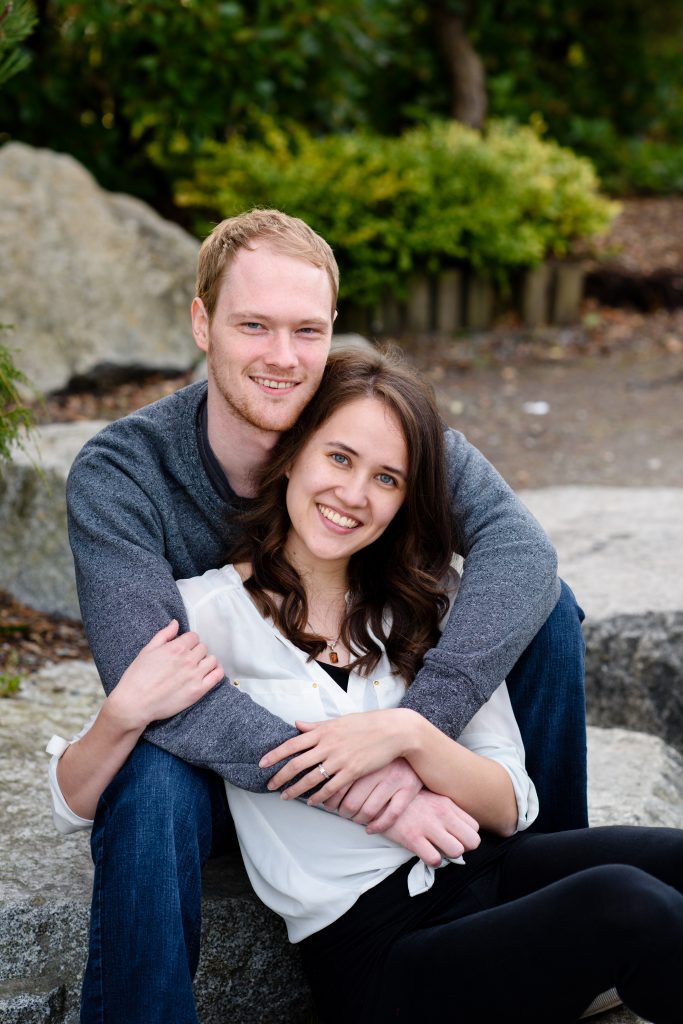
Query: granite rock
{"points": [[93, 283], [35, 558], [633, 779], [621, 549]]}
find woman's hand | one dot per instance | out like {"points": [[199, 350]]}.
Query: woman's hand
{"points": [[169, 674], [348, 747]]}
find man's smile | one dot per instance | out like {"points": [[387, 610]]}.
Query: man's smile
{"points": [[276, 385]]}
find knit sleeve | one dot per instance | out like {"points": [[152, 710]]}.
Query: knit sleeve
{"points": [[509, 587], [120, 536]]}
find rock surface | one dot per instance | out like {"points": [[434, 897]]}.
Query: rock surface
{"points": [[248, 972], [92, 281], [35, 559], [618, 546], [620, 549], [633, 779]]}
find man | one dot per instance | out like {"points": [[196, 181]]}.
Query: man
{"points": [[151, 499]]}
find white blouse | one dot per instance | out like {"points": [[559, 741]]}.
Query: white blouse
{"points": [[309, 865]]}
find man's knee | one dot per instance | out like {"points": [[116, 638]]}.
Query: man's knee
{"points": [[155, 791], [569, 611], [564, 622]]}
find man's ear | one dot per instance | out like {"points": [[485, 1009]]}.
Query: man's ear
{"points": [[200, 324], [336, 314]]}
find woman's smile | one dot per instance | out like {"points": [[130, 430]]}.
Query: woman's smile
{"points": [[336, 518]]}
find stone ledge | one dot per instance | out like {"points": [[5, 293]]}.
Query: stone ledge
{"points": [[248, 972], [619, 548], [634, 673]]}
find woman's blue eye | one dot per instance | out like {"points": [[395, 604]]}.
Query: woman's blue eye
{"points": [[384, 478], [340, 459]]}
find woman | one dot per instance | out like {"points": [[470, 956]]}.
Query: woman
{"points": [[330, 601]]}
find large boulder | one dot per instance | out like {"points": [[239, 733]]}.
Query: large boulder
{"points": [[621, 550], [248, 973], [92, 282]]}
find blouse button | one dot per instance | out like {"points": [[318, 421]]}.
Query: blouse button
{"points": [[375, 682], [314, 685], [235, 682]]}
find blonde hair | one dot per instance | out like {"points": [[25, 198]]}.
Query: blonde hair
{"points": [[286, 235]]}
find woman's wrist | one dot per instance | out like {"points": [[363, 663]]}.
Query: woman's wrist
{"points": [[119, 719], [413, 732]]}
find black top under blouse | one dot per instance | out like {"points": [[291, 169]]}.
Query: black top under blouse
{"points": [[339, 673]]}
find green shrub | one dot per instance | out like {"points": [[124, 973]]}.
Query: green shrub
{"points": [[15, 417], [441, 195], [17, 21], [630, 166], [10, 684]]}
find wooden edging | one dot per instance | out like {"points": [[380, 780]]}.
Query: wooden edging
{"points": [[460, 300]]}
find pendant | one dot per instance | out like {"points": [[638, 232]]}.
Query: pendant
{"points": [[334, 657]]}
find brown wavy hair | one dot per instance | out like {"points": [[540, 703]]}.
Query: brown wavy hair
{"points": [[402, 572]]}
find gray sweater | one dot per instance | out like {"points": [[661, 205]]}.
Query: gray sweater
{"points": [[143, 513]]}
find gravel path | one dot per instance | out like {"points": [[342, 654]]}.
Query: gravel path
{"points": [[615, 421]]}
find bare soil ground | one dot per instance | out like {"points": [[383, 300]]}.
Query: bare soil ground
{"points": [[597, 403]]}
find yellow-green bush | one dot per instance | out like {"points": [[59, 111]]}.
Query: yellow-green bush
{"points": [[441, 195]]}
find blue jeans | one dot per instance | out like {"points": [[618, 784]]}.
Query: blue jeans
{"points": [[157, 823], [548, 697], [153, 833]]}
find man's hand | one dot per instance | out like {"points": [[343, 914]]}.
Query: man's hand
{"points": [[378, 799], [433, 826]]}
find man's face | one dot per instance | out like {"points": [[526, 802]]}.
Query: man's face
{"points": [[269, 338]]}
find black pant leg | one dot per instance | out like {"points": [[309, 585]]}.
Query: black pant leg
{"points": [[534, 861], [548, 950]]}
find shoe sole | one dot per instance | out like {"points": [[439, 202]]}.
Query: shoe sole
{"points": [[605, 1001]]}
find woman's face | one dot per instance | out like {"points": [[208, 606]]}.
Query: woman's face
{"points": [[347, 483]]}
